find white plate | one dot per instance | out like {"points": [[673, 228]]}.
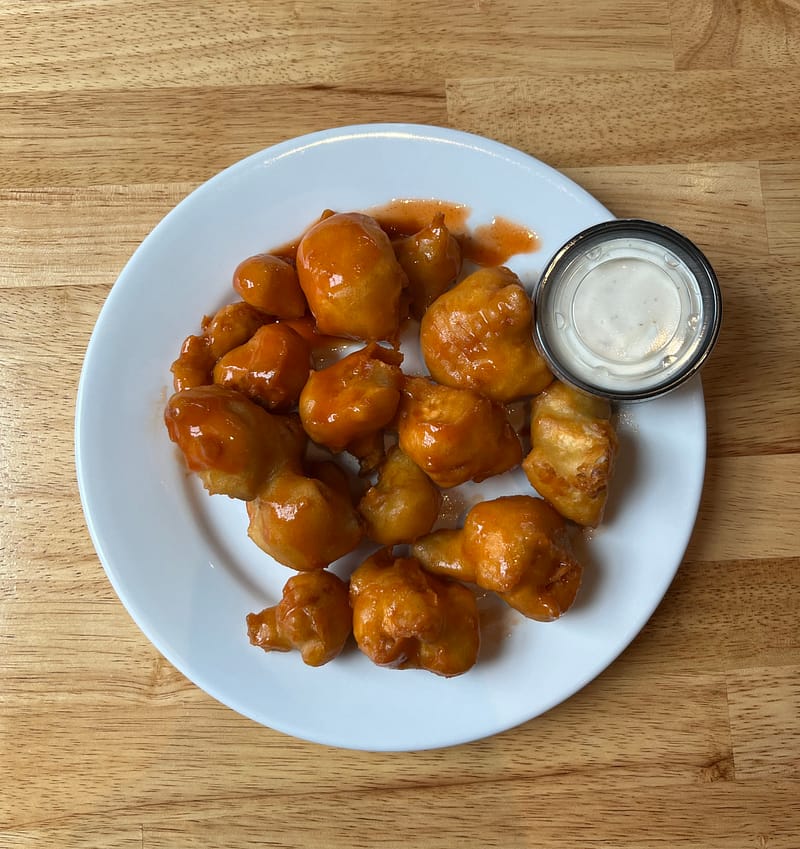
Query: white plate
{"points": [[180, 560]]}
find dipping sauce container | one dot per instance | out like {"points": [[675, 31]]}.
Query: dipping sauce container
{"points": [[627, 309]]}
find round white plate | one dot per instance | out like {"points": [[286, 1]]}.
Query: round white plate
{"points": [[180, 560]]}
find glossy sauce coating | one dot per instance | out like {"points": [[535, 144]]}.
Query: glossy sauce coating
{"points": [[351, 278], [516, 546], [406, 618], [230, 442], [232, 326], [313, 617], [455, 435], [487, 245], [324, 348], [303, 522], [431, 259], [271, 368], [269, 283], [403, 504], [405, 216], [352, 399], [478, 336], [194, 364]]}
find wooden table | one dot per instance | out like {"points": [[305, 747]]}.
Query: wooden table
{"points": [[685, 111]]}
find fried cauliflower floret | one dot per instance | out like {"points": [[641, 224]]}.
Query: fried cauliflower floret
{"points": [[230, 442], [232, 326], [271, 368], [403, 504], [455, 435], [351, 277], [270, 284], [194, 364], [313, 616], [303, 522], [574, 445], [406, 618], [431, 259], [478, 336], [350, 401], [516, 546]]}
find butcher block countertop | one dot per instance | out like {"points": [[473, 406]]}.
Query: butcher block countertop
{"points": [[686, 112]]}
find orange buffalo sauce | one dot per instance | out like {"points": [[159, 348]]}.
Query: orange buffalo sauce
{"points": [[404, 216], [497, 242], [489, 244]]}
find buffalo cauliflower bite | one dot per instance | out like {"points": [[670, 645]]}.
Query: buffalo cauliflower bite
{"points": [[313, 616], [270, 284], [271, 368], [231, 443], [431, 259], [303, 522], [455, 435], [478, 336], [574, 445], [351, 277], [345, 405], [403, 504], [406, 618], [516, 546]]}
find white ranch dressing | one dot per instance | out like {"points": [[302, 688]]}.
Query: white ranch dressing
{"points": [[625, 315]]}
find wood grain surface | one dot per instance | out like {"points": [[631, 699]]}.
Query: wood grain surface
{"points": [[685, 111]]}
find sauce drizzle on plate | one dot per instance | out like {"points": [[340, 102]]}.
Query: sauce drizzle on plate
{"points": [[488, 244]]}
